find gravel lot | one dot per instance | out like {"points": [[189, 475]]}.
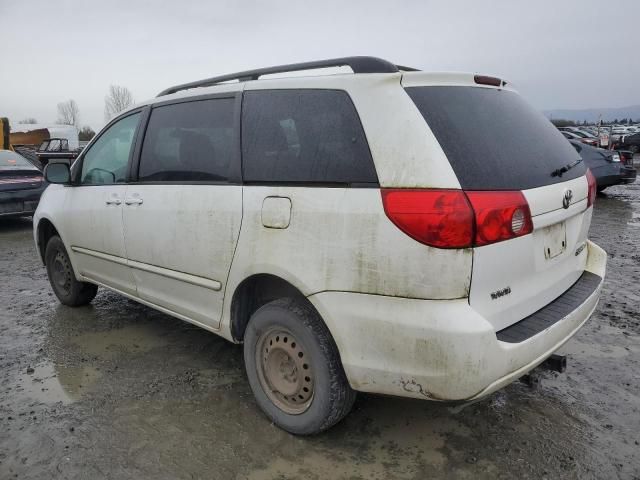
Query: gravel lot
{"points": [[117, 390]]}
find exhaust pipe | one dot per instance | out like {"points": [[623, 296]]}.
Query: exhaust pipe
{"points": [[555, 363]]}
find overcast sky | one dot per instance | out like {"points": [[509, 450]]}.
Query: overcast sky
{"points": [[559, 54]]}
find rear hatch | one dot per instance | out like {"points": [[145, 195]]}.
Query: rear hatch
{"points": [[495, 141]]}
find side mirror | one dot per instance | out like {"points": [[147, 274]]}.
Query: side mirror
{"points": [[57, 172]]}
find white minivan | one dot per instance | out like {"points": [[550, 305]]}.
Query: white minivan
{"points": [[386, 230]]}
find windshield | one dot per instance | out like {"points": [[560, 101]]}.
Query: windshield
{"points": [[493, 139], [12, 159]]}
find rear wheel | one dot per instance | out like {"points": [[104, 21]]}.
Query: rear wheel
{"points": [[294, 368], [69, 291]]}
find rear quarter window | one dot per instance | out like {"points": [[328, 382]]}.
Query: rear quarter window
{"points": [[304, 136], [493, 139]]}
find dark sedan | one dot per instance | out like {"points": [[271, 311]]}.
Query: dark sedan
{"points": [[605, 165], [21, 185]]}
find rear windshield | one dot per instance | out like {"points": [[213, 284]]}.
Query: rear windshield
{"points": [[493, 139], [11, 159]]}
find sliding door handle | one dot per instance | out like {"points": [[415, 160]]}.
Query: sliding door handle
{"points": [[113, 201], [133, 201]]}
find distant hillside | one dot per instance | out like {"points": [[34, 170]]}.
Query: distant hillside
{"points": [[594, 114]]}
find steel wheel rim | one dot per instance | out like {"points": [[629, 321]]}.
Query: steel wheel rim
{"points": [[61, 272], [285, 371]]}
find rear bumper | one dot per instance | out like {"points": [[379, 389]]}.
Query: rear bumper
{"points": [[20, 202], [628, 175], [609, 180], [438, 349]]}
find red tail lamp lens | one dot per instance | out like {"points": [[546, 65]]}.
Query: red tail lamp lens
{"points": [[458, 219], [439, 218], [500, 216]]}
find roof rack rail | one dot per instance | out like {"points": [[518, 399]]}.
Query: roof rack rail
{"points": [[358, 65]]}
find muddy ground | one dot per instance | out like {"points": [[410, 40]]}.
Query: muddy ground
{"points": [[117, 390]]}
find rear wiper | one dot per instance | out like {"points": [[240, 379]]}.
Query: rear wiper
{"points": [[559, 171]]}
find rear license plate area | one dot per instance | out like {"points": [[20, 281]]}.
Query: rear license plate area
{"points": [[11, 207], [555, 240], [30, 206]]}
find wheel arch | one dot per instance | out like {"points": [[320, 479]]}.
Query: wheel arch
{"points": [[254, 292], [44, 231]]}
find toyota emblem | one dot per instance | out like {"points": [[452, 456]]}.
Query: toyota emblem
{"points": [[566, 200]]}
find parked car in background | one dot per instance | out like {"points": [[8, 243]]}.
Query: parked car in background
{"points": [[55, 149], [387, 231], [580, 131], [21, 185], [626, 157], [580, 136], [606, 165], [630, 141]]}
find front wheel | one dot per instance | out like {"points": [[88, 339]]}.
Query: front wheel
{"points": [[294, 368], [69, 291]]}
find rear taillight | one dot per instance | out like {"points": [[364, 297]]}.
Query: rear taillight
{"points": [[500, 216], [625, 157], [439, 218], [592, 185], [458, 219]]}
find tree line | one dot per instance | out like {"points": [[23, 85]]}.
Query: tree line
{"points": [[117, 100]]}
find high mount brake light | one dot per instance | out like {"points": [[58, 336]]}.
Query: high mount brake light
{"points": [[486, 80], [458, 219], [592, 188]]}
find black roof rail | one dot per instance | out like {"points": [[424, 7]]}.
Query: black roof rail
{"points": [[357, 64]]}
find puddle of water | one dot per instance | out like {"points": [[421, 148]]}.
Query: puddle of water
{"points": [[405, 459], [408, 442], [49, 384], [134, 338]]}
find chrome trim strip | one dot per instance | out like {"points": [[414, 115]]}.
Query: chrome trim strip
{"points": [[145, 267]]}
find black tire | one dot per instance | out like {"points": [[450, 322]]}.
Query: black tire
{"points": [[69, 291], [332, 397]]}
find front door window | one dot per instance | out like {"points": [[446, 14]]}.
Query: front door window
{"points": [[106, 161]]}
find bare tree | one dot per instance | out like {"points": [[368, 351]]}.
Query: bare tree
{"points": [[118, 99], [28, 121], [68, 113]]}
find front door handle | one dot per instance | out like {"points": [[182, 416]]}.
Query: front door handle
{"points": [[133, 201]]}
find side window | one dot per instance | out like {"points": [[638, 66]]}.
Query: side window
{"points": [[106, 161], [190, 141], [306, 136]]}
